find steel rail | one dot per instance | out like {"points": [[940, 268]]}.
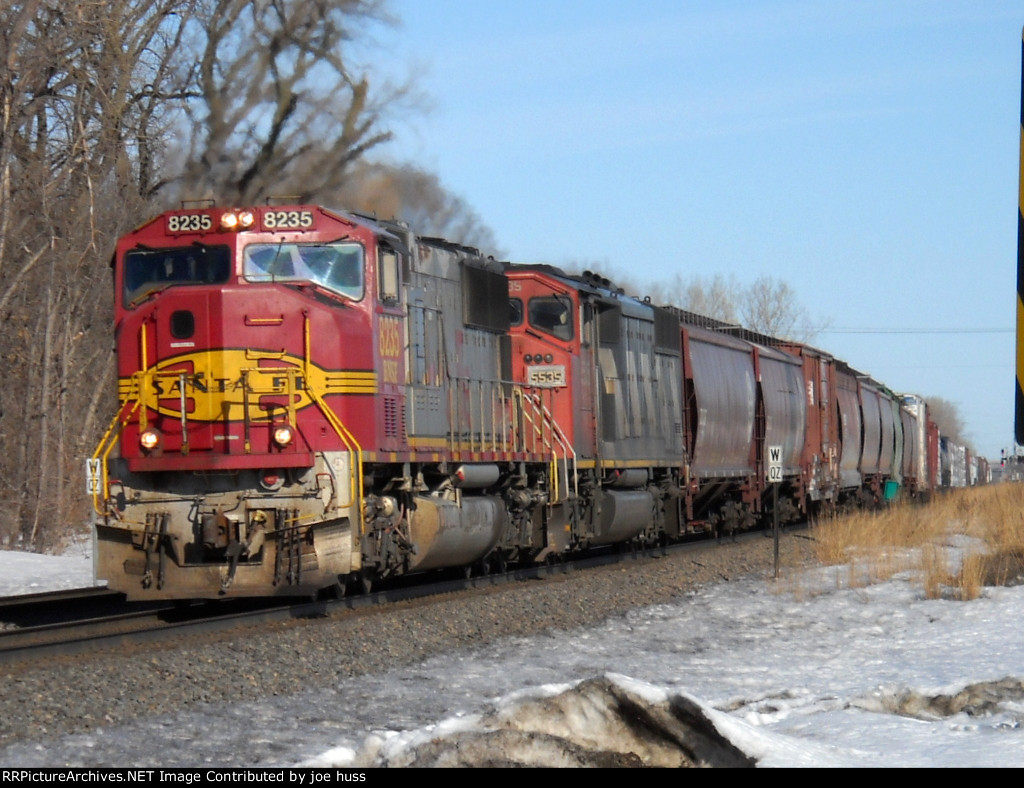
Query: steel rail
{"points": [[159, 621]]}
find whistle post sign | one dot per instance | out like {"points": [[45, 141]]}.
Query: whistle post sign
{"points": [[774, 464]]}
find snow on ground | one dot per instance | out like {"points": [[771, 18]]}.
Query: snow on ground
{"points": [[32, 573], [823, 676]]}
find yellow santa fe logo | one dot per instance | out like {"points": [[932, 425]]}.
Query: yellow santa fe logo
{"points": [[219, 385]]}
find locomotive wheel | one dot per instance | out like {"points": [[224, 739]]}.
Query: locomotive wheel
{"points": [[360, 582], [499, 564], [336, 590], [627, 548]]}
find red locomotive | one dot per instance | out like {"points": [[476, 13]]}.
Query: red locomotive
{"points": [[312, 399]]}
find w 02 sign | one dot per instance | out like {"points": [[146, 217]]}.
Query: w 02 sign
{"points": [[774, 464]]}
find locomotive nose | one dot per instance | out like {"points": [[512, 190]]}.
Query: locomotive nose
{"points": [[221, 377]]}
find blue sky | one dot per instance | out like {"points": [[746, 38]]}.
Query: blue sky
{"points": [[864, 152]]}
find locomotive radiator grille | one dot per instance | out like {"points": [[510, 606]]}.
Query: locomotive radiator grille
{"points": [[394, 420]]}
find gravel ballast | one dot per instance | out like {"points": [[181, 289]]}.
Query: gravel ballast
{"points": [[80, 694]]}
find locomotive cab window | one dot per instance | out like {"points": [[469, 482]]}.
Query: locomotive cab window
{"points": [[387, 262], [148, 270], [515, 311], [336, 267], [552, 315]]}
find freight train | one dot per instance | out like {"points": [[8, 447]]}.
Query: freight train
{"points": [[313, 400]]}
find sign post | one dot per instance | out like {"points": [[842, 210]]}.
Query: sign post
{"points": [[1019, 410], [775, 479]]}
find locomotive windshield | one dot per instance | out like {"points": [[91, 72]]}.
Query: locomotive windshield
{"points": [[552, 315], [337, 267], [148, 270]]}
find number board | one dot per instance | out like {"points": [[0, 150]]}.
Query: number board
{"points": [[177, 223], [552, 376], [288, 221]]}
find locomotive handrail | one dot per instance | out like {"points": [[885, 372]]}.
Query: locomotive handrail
{"points": [[467, 434], [109, 440], [569, 451], [475, 439], [355, 469], [552, 442], [248, 388], [133, 398], [540, 434]]}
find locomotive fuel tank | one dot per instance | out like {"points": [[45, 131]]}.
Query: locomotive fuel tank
{"points": [[624, 514], [454, 533]]}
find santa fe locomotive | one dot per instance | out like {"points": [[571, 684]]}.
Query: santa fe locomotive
{"points": [[313, 400]]}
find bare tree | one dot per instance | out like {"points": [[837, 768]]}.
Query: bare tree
{"points": [[279, 107], [771, 307], [768, 306], [86, 89], [714, 297]]}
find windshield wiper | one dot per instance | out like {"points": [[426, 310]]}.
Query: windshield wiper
{"points": [[146, 295]]}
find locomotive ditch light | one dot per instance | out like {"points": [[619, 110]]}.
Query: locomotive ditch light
{"points": [[150, 439], [283, 434]]}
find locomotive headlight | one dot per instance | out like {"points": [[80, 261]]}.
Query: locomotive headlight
{"points": [[149, 439], [232, 221], [284, 434]]}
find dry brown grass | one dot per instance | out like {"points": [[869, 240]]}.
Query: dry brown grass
{"points": [[954, 546], [971, 577]]}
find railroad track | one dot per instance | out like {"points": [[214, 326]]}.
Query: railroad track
{"points": [[73, 622], [63, 623]]}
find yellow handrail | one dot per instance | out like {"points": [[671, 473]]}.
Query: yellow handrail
{"points": [[356, 467], [109, 439], [552, 438]]}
